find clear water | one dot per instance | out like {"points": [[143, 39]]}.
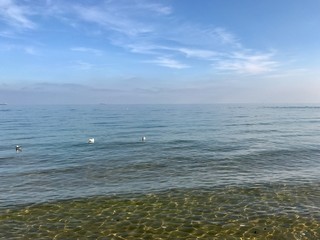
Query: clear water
{"points": [[205, 171]]}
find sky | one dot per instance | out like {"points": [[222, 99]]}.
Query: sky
{"points": [[159, 52]]}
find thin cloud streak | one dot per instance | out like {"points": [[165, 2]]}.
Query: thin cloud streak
{"points": [[16, 15], [30, 50], [19, 48], [150, 7], [122, 17], [124, 24], [226, 37], [198, 53], [247, 63], [162, 49], [170, 63], [87, 50], [125, 21], [81, 65]]}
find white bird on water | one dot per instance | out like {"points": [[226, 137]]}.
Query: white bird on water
{"points": [[18, 148], [91, 140], [143, 139]]}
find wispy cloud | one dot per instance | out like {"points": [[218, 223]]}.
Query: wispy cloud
{"points": [[30, 50], [140, 5], [185, 42], [145, 28], [189, 52], [124, 17], [197, 53], [19, 48], [169, 62], [140, 48], [226, 37], [16, 15], [87, 50], [207, 36], [247, 63], [87, 65], [82, 65], [7, 34]]}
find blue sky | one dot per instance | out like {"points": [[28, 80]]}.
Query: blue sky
{"points": [[169, 51]]}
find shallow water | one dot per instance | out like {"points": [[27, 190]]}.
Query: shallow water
{"points": [[253, 212], [205, 171]]}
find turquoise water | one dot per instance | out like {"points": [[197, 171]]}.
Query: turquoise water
{"points": [[204, 171]]}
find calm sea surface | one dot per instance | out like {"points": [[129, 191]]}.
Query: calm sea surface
{"points": [[204, 172]]}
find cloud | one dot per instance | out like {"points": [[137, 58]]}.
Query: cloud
{"points": [[145, 28], [197, 53], [87, 50], [141, 48], [110, 20], [151, 7], [226, 37], [82, 65], [168, 62], [186, 41], [247, 63], [189, 52], [7, 34], [204, 36], [16, 15], [30, 50], [124, 17], [20, 48]]}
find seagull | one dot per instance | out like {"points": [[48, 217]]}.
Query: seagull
{"points": [[18, 148], [91, 140], [143, 139]]}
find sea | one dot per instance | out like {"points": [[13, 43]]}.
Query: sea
{"points": [[220, 171]]}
